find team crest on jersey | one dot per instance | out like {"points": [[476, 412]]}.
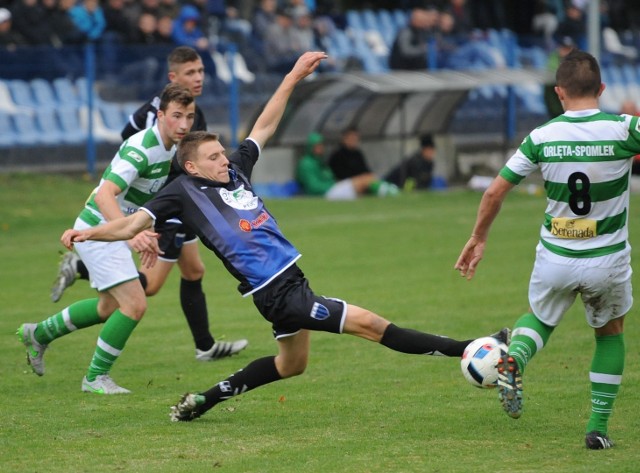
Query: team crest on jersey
{"points": [[135, 156], [240, 198]]}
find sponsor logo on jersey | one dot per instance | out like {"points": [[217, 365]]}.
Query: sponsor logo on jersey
{"points": [[156, 171], [319, 311], [562, 151], [573, 228], [135, 156], [247, 226], [240, 198]]}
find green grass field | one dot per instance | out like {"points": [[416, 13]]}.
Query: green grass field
{"points": [[359, 407]]}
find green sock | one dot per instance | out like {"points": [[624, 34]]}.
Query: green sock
{"points": [[529, 336], [111, 342], [78, 315], [374, 187], [606, 375]]}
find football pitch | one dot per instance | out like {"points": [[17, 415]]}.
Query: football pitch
{"points": [[359, 407]]}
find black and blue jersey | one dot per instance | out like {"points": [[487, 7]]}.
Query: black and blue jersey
{"points": [[230, 220]]}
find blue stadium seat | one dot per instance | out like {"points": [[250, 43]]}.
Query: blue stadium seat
{"points": [[401, 18], [354, 21], [7, 135], [369, 20], [43, 93], [66, 92], [388, 28], [113, 116], [21, 93], [70, 123], [26, 131], [48, 127]]}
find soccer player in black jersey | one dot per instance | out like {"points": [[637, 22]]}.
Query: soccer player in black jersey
{"points": [[178, 243], [216, 199]]}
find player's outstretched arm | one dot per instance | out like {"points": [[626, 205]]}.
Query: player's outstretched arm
{"points": [[123, 228], [268, 121], [490, 205]]}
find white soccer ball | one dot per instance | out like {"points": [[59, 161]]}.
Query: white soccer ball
{"points": [[480, 361]]}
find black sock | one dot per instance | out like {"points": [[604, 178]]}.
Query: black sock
{"points": [[82, 270], [143, 279], [194, 306], [406, 340], [257, 373]]}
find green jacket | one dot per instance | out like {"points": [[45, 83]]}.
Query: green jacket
{"points": [[314, 175]]}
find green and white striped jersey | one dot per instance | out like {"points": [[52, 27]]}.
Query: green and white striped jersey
{"points": [[585, 159], [139, 169]]}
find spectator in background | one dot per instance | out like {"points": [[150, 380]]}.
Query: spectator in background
{"points": [[573, 24], [316, 178], [170, 8], [411, 45], [416, 171], [187, 31], [565, 44], [89, 18], [165, 30], [263, 17], [119, 26], [459, 10], [29, 19], [348, 161], [280, 43], [9, 38], [63, 30], [145, 31]]}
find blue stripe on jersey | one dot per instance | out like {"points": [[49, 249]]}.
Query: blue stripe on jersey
{"points": [[249, 239]]}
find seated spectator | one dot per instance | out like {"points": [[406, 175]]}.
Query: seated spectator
{"points": [[316, 178], [164, 31], [283, 43], [29, 19], [187, 31], [410, 48], [348, 161], [64, 30], [146, 30], [119, 26], [89, 18], [416, 171], [9, 38]]}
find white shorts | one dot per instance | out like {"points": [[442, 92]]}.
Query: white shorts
{"points": [[108, 263], [342, 190], [604, 284]]}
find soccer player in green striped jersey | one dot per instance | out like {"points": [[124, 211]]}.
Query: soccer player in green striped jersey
{"points": [[135, 174], [585, 157]]}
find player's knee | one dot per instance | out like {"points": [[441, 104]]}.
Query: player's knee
{"points": [[193, 271], [292, 368], [152, 289]]}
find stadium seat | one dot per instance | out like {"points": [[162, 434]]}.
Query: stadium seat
{"points": [[66, 92], [48, 127], [6, 101], [113, 116], [70, 123], [21, 93], [43, 93], [101, 132], [26, 131], [369, 20], [401, 18], [7, 135], [388, 28], [354, 21]]}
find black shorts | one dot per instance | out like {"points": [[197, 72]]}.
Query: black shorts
{"points": [[290, 305], [173, 235]]}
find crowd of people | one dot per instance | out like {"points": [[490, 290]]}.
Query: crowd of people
{"points": [[271, 34]]}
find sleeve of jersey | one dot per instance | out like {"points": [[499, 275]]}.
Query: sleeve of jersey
{"points": [[127, 167], [246, 156], [634, 134], [521, 164], [165, 205]]}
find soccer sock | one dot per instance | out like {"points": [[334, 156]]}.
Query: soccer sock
{"points": [[194, 306], [605, 375], [111, 342], [406, 340], [528, 337], [257, 373], [82, 270], [78, 315]]}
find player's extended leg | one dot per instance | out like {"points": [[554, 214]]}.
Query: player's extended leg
{"points": [[194, 306], [366, 324], [114, 335], [607, 366], [36, 337], [529, 336], [291, 361]]}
